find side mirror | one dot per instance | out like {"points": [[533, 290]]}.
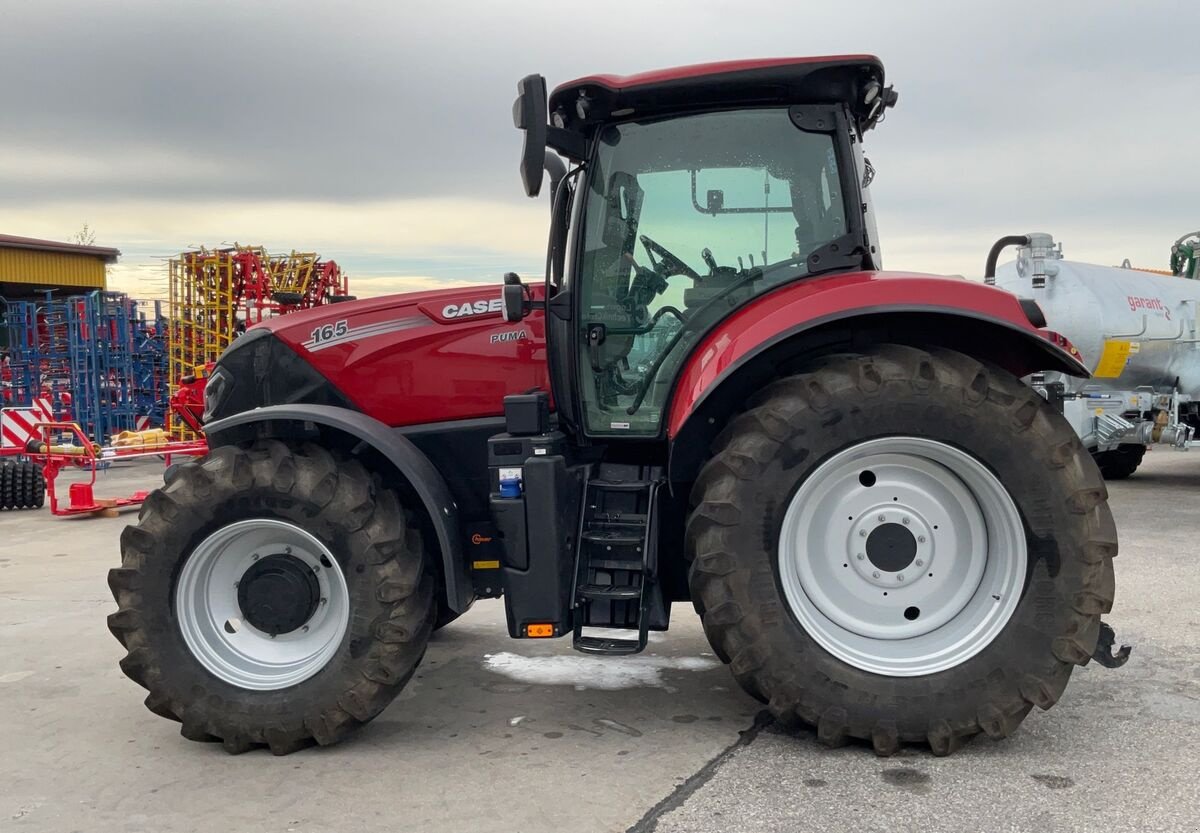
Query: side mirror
{"points": [[529, 115], [512, 298]]}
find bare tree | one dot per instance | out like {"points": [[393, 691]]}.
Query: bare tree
{"points": [[86, 236]]}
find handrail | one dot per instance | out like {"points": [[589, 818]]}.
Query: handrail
{"points": [[1145, 325]]}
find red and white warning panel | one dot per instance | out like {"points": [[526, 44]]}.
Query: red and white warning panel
{"points": [[19, 425]]}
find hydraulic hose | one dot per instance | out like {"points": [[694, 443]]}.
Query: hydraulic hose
{"points": [[989, 269]]}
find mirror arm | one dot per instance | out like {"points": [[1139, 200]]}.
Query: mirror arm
{"points": [[567, 142]]}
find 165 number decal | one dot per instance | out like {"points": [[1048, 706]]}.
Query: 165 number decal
{"points": [[328, 332]]}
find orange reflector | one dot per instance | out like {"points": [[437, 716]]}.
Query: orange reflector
{"points": [[539, 631], [485, 565]]}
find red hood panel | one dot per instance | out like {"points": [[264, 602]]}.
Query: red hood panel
{"points": [[423, 356]]}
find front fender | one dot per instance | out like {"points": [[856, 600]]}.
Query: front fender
{"points": [[413, 465]]}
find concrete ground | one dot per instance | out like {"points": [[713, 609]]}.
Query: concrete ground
{"points": [[486, 738]]}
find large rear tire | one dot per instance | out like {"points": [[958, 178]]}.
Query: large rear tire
{"points": [[272, 595], [901, 546]]}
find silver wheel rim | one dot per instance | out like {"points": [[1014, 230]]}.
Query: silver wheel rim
{"points": [[902, 556], [211, 620]]}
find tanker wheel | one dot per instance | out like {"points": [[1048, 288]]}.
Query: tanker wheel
{"points": [[901, 546], [272, 595], [1121, 462]]}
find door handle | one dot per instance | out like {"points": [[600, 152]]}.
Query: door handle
{"points": [[596, 334]]}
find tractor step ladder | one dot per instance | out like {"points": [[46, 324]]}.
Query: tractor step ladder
{"points": [[618, 563]]}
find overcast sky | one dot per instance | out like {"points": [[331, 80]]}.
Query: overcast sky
{"points": [[380, 134]]}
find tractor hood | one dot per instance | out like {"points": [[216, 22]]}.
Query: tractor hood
{"points": [[406, 359], [441, 305]]}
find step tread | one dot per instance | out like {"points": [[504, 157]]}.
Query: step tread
{"points": [[621, 485], [614, 592], [606, 645], [634, 566], [613, 536]]}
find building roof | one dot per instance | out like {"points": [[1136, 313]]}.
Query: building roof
{"points": [[9, 241]]}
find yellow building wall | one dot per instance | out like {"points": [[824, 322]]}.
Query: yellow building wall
{"points": [[52, 268]]}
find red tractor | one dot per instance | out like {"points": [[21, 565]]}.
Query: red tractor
{"points": [[715, 396]]}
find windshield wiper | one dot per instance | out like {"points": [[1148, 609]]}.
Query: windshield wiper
{"points": [[837, 254]]}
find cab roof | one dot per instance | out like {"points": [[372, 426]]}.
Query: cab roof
{"points": [[761, 82]]}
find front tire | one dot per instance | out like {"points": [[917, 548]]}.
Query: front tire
{"points": [[272, 595], [991, 490]]}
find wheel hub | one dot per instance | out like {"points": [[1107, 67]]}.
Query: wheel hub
{"points": [[890, 545], [278, 594]]}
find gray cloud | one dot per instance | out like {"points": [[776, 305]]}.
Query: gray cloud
{"points": [[1010, 116]]}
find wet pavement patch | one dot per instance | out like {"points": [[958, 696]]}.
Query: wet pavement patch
{"points": [[907, 778]]}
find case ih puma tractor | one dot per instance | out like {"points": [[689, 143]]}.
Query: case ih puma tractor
{"points": [[714, 396]]}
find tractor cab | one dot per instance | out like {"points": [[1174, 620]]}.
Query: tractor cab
{"points": [[691, 192]]}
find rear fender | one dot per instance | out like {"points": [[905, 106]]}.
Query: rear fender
{"points": [[765, 340], [424, 478]]}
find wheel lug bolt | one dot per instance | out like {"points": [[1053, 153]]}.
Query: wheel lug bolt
{"points": [[920, 563], [899, 576], [254, 557], [862, 533], [323, 601], [305, 629], [860, 556], [904, 521], [920, 539], [882, 519], [287, 550], [875, 574]]}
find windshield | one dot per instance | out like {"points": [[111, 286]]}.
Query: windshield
{"points": [[678, 213]]}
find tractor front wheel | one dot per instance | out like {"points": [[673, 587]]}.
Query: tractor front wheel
{"points": [[901, 545], [272, 595]]}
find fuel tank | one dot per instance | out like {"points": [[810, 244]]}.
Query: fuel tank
{"points": [[1134, 328], [421, 357]]}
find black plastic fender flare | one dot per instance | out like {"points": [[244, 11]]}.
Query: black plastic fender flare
{"points": [[416, 468]]}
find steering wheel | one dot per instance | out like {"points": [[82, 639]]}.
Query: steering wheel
{"points": [[669, 264]]}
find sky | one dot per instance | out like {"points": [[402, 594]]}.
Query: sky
{"points": [[380, 133]]}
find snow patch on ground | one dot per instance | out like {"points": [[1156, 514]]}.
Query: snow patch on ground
{"points": [[604, 673]]}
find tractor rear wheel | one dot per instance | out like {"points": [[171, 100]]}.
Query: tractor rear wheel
{"points": [[901, 545], [1121, 462], [272, 595]]}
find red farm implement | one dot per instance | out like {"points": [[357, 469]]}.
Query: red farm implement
{"points": [[63, 445]]}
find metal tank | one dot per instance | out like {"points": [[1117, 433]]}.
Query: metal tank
{"points": [[1137, 332]]}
